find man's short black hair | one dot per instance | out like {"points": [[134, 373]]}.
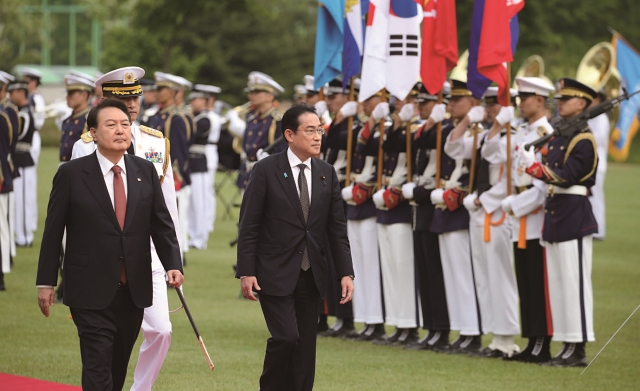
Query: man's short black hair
{"points": [[290, 119], [92, 117]]}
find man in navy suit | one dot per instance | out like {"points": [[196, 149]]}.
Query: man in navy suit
{"points": [[110, 204], [292, 204]]}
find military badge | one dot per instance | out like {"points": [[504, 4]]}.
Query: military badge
{"points": [[153, 156]]}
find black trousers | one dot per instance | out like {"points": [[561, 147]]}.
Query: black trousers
{"points": [[531, 276], [331, 304], [430, 281], [290, 358], [107, 338]]}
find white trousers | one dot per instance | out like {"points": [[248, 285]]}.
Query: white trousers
{"points": [[398, 274], [495, 280], [367, 295], [156, 330], [5, 236], [570, 291], [598, 205], [184, 198], [12, 222], [26, 205], [198, 211], [459, 285], [212, 167]]}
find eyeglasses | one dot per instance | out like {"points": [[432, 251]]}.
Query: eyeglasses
{"points": [[310, 132]]}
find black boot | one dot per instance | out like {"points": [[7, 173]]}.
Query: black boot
{"points": [[407, 336], [537, 351], [574, 356], [359, 334], [465, 344], [374, 333], [421, 344], [557, 358], [343, 327], [388, 339]]}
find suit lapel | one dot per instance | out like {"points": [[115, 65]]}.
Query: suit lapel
{"points": [[285, 177], [95, 182], [133, 189], [317, 184]]}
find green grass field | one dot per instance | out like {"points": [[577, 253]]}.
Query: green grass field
{"points": [[235, 333]]}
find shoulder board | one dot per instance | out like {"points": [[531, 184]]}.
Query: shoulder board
{"points": [[87, 137], [276, 115], [542, 131], [151, 131]]}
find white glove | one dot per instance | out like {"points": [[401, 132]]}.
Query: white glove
{"points": [[430, 183], [380, 111], [505, 115], [476, 114], [407, 190], [506, 204], [377, 198], [261, 154], [236, 124], [528, 157], [469, 202], [437, 196], [438, 113], [349, 109], [406, 112], [347, 193], [321, 108]]}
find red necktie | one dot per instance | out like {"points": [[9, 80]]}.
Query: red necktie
{"points": [[120, 206]]}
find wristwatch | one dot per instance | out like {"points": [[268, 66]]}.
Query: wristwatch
{"points": [[352, 277]]}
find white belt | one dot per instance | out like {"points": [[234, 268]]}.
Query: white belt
{"points": [[197, 148], [23, 147], [575, 190]]}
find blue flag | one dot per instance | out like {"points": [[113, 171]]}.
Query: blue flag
{"points": [[329, 42], [628, 64], [354, 28]]}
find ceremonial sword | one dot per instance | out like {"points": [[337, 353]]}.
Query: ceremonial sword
{"points": [[195, 329]]}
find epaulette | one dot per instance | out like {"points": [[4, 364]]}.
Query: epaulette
{"points": [[151, 131], [542, 131], [87, 137]]}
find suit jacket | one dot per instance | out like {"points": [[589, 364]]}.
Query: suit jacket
{"points": [[96, 246], [272, 231]]}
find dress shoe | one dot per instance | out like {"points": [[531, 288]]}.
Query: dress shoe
{"points": [[557, 358], [342, 327], [359, 334], [537, 351], [573, 356], [388, 339], [322, 324], [375, 332], [490, 353], [407, 336], [466, 344]]}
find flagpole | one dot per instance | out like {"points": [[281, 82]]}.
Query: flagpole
{"points": [[380, 150], [352, 94], [438, 146], [509, 133], [408, 153]]}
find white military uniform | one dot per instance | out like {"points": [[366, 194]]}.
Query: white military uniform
{"points": [[490, 242], [600, 128], [149, 144], [212, 167], [25, 188]]}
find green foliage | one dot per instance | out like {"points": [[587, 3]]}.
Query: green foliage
{"points": [[235, 333]]}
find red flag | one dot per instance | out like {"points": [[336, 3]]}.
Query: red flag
{"points": [[497, 43], [439, 42]]}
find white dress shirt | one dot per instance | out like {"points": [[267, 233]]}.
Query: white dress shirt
{"points": [[295, 170], [106, 166]]}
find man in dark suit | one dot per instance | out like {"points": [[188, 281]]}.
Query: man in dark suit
{"points": [[292, 204], [109, 203]]}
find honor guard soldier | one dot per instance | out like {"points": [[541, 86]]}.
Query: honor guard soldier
{"points": [[361, 221], [334, 146], [569, 167], [12, 112], [394, 217], [149, 101], [123, 84], [492, 107], [8, 137], [79, 91], [201, 186], [175, 126], [495, 281], [426, 250], [256, 123], [451, 222], [212, 153], [525, 208], [24, 161], [299, 94], [36, 102]]}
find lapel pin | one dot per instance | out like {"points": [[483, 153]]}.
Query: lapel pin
{"points": [[323, 182], [285, 175]]}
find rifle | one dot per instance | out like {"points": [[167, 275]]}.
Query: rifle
{"points": [[567, 127]]}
